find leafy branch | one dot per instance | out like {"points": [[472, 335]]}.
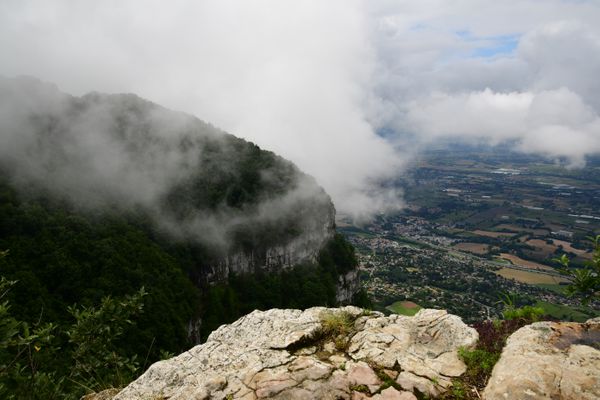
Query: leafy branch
{"points": [[585, 281]]}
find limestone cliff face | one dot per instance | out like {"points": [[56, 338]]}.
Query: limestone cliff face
{"points": [[347, 286], [302, 249], [293, 354]]}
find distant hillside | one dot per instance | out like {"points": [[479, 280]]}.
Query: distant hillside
{"points": [[103, 194]]}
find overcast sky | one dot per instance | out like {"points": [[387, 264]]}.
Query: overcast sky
{"points": [[315, 81]]}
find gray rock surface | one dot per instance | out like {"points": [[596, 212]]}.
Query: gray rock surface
{"points": [[284, 354], [347, 286], [549, 360]]}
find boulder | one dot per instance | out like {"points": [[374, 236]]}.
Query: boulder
{"points": [[285, 354], [549, 360], [423, 348]]}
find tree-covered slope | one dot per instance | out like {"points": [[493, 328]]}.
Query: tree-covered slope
{"points": [[103, 194], [60, 257], [192, 181]]}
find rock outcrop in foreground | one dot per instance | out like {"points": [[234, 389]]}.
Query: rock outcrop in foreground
{"points": [[348, 353], [293, 354], [549, 360]]}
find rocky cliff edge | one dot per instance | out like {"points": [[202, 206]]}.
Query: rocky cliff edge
{"points": [[350, 353], [318, 353]]}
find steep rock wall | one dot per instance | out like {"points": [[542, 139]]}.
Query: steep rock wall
{"points": [[303, 249], [348, 285]]}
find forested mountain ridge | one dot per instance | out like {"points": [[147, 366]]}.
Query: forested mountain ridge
{"points": [[103, 194], [121, 152]]}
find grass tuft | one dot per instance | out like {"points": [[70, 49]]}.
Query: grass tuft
{"points": [[334, 324]]}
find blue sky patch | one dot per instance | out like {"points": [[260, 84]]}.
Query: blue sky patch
{"points": [[502, 45], [490, 46]]}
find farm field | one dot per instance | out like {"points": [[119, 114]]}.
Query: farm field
{"points": [[477, 248], [579, 314], [547, 248], [525, 263], [556, 288], [493, 234], [568, 247], [515, 228], [404, 308], [531, 278]]}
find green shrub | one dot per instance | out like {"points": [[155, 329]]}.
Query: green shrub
{"points": [[96, 363], [526, 313], [51, 361], [529, 313], [458, 390], [584, 282], [479, 362]]}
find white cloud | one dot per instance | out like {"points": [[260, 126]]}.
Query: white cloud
{"points": [[543, 95], [476, 114], [313, 80], [564, 54], [290, 76], [556, 123]]}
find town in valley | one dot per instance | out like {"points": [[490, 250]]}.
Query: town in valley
{"points": [[481, 227]]}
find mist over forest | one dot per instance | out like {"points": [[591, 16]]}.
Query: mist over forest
{"points": [[119, 152]]}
